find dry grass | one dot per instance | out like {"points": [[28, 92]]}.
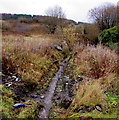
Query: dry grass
{"points": [[31, 58], [101, 64], [89, 93], [97, 61]]}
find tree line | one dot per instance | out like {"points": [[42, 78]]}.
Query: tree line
{"points": [[106, 15], [6, 16]]}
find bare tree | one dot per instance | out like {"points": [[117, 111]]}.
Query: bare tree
{"points": [[56, 11], [56, 18], [105, 16]]}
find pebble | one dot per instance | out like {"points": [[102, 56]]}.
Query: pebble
{"points": [[66, 78], [8, 84], [60, 90], [14, 77], [98, 107], [34, 96], [42, 97], [74, 84], [76, 81], [58, 47]]}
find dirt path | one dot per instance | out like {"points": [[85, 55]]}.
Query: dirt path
{"points": [[49, 95]]}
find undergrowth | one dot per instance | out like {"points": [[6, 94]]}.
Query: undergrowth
{"points": [[8, 111], [33, 59], [99, 66], [96, 62]]}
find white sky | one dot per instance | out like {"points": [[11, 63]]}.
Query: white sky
{"points": [[74, 9]]}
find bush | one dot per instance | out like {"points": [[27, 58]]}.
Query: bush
{"points": [[73, 38], [5, 26], [110, 37]]}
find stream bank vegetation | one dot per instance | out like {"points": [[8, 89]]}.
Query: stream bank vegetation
{"points": [[34, 61], [98, 67], [29, 54]]}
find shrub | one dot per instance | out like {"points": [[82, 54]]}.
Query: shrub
{"points": [[91, 32], [5, 26], [110, 37], [72, 38]]}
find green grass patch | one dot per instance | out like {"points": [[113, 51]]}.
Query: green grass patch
{"points": [[30, 110]]}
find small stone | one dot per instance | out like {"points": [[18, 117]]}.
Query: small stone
{"points": [[9, 77], [18, 105], [58, 47], [74, 84], [34, 96], [42, 97], [10, 74], [14, 77], [77, 87], [66, 78], [76, 81], [1, 74], [80, 78], [98, 107], [60, 90], [8, 84]]}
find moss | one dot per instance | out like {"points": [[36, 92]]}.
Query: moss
{"points": [[57, 112], [7, 102], [30, 110]]}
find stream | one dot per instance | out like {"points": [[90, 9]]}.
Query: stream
{"points": [[50, 92]]}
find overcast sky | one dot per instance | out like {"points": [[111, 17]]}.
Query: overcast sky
{"points": [[74, 9]]}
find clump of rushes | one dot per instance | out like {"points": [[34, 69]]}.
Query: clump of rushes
{"points": [[87, 94]]}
